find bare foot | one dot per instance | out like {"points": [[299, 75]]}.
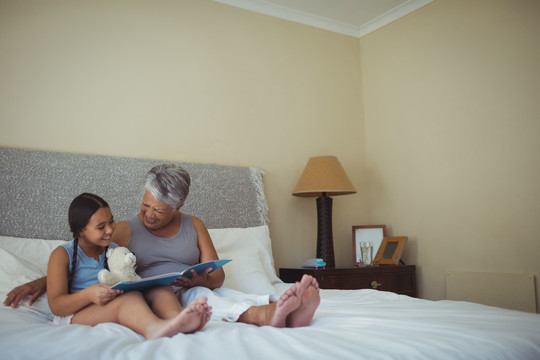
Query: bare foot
{"points": [[191, 319], [274, 314], [303, 315], [286, 305]]}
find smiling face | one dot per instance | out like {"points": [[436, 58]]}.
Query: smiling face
{"points": [[155, 215], [99, 229]]}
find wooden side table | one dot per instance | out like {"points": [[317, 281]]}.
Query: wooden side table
{"points": [[400, 279]]}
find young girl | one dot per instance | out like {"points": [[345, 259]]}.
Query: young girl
{"points": [[75, 295]]}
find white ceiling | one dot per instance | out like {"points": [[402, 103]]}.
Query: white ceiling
{"points": [[350, 17]]}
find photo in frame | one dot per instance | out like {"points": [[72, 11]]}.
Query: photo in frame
{"points": [[366, 233], [390, 251]]}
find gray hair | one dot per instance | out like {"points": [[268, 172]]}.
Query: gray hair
{"points": [[169, 184]]}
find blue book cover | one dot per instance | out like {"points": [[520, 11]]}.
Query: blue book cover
{"points": [[168, 278]]}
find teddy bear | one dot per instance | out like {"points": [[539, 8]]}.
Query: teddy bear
{"points": [[122, 264]]}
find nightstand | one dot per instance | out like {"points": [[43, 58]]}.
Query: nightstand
{"points": [[400, 279]]}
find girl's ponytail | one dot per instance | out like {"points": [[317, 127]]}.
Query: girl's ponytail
{"points": [[73, 262]]}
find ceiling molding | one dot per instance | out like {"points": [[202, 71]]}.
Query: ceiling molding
{"points": [[321, 22], [392, 15]]}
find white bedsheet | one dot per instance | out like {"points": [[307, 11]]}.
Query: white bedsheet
{"points": [[361, 324]]}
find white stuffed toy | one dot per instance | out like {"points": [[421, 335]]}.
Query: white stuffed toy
{"points": [[122, 266]]}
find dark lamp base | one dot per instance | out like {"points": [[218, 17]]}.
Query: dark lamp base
{"points": [[325, 242]]}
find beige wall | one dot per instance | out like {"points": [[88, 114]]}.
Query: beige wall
{"points": [[452, 121], [189, 80], [449, 94]]}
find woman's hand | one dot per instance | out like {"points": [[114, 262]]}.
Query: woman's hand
{"points": [[34, 289], [196, 279], [101, 294]]}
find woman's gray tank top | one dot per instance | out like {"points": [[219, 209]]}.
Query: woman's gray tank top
{"points": [[156, 255]]}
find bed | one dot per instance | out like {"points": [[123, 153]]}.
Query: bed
{"points": [[37, 187]]}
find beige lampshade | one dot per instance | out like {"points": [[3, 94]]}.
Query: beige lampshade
{"points": [[323, 174]]}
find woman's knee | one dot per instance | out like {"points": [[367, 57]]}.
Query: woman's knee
{"points": [[159, 292], [188, 295], [128, 296]]}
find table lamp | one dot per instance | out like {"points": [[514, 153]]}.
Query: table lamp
{"points": [[323, 177]]}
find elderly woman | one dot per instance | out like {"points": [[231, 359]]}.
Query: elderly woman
{"points": [[167, 240]]}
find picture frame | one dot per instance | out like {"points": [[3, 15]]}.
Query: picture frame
{"points": [[361, 233], [390, 251]]}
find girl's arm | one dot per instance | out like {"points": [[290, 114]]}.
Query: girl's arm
{"points": [[208, 253], [60, 301]]}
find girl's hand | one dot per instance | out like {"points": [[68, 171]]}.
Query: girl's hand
{"points": [[101, 294], [196, 279]]}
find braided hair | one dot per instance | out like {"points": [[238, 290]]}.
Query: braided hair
{"points": [[82, 208]]}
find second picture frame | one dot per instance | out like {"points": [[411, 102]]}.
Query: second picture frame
{"points": [[373, 234]]}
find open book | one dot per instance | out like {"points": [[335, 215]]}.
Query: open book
{"points": [[168, 278]]}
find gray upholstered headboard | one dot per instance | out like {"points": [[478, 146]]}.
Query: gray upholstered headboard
{"points": [[38, 186]]}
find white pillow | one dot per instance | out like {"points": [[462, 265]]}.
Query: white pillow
{"points": [[252, 267], [35, 251], [23, 260]]}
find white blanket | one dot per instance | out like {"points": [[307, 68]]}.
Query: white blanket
{"points": [[349, 324], [361, 324]]}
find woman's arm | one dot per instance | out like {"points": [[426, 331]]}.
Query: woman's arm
{"points": [[121, 234], [34, 289], [208, 253], [60, 301]]}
